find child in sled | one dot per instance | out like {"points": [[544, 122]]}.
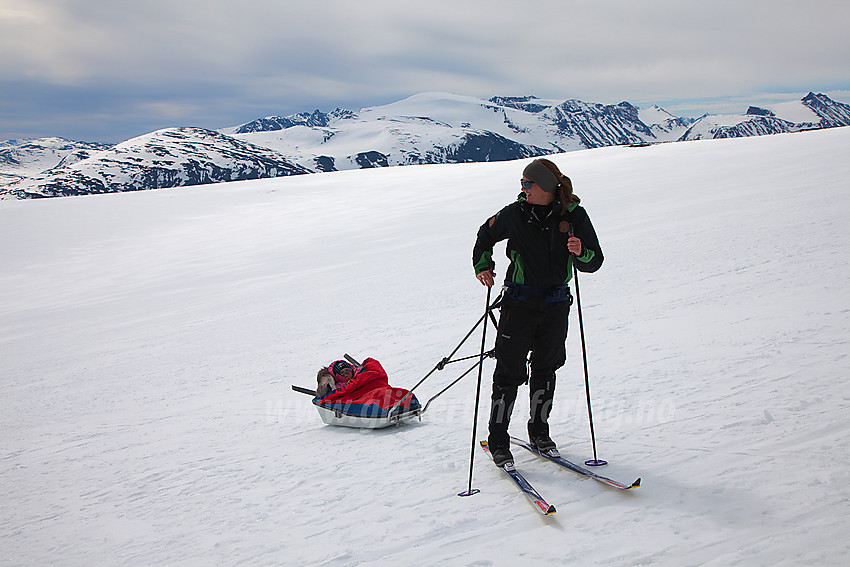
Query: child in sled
{"points": [[336, 375]]}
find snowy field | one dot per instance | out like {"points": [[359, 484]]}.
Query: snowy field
{"points": [[148, 342]]}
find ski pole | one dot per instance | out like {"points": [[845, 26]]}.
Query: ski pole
{"points": [[470, 491], [594, 462]]}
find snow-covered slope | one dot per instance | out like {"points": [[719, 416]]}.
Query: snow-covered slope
{"points": [[377, 140], [665, 126], [148, 342]]}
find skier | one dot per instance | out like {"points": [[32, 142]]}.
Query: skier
{"points": [[547, 231]]}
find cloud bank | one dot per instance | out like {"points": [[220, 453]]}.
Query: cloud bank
{"points": [[107, 70]]}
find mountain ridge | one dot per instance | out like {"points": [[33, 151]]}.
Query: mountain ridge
{"points": [[425, 128]]}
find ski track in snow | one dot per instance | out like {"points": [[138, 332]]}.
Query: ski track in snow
{"points": [[149, 340]]}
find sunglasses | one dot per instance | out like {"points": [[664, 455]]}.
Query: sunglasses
{"points": [[526, 184], [341, 367]]}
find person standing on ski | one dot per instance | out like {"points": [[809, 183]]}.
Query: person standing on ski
{"points": [[547, 233]]}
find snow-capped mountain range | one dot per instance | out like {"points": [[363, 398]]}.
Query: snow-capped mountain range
{"points": [[812, 112], [21, 159], [173, 157], [426, 128]]}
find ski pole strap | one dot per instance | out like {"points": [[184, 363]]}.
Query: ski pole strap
{"points": [[555, 294], [496, 304]]}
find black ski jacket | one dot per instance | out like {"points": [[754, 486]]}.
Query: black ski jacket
{"points": [[537, 243]]}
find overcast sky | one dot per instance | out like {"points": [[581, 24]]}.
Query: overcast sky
{"points": [[108, 70]]}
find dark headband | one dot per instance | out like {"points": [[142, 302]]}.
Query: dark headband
{"points": [[542, 175]]}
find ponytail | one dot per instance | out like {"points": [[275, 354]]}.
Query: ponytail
{"points": [[565, 186]]}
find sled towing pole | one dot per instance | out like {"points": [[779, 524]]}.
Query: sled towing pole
{"points": [[303, 390], [447, 360], [470, 491], [594, 462]]}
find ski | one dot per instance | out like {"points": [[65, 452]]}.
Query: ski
{"points": [[576, 468], [533, 496]]}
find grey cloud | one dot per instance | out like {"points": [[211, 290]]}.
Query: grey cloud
{"points": [[221, 62]]}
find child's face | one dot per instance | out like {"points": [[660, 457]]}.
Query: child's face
{"points": [[346, 373]]}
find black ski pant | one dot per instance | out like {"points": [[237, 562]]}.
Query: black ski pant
{"points": [[543, 334]]}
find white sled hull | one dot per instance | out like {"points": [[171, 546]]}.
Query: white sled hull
{"points": [[337, 417]]}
